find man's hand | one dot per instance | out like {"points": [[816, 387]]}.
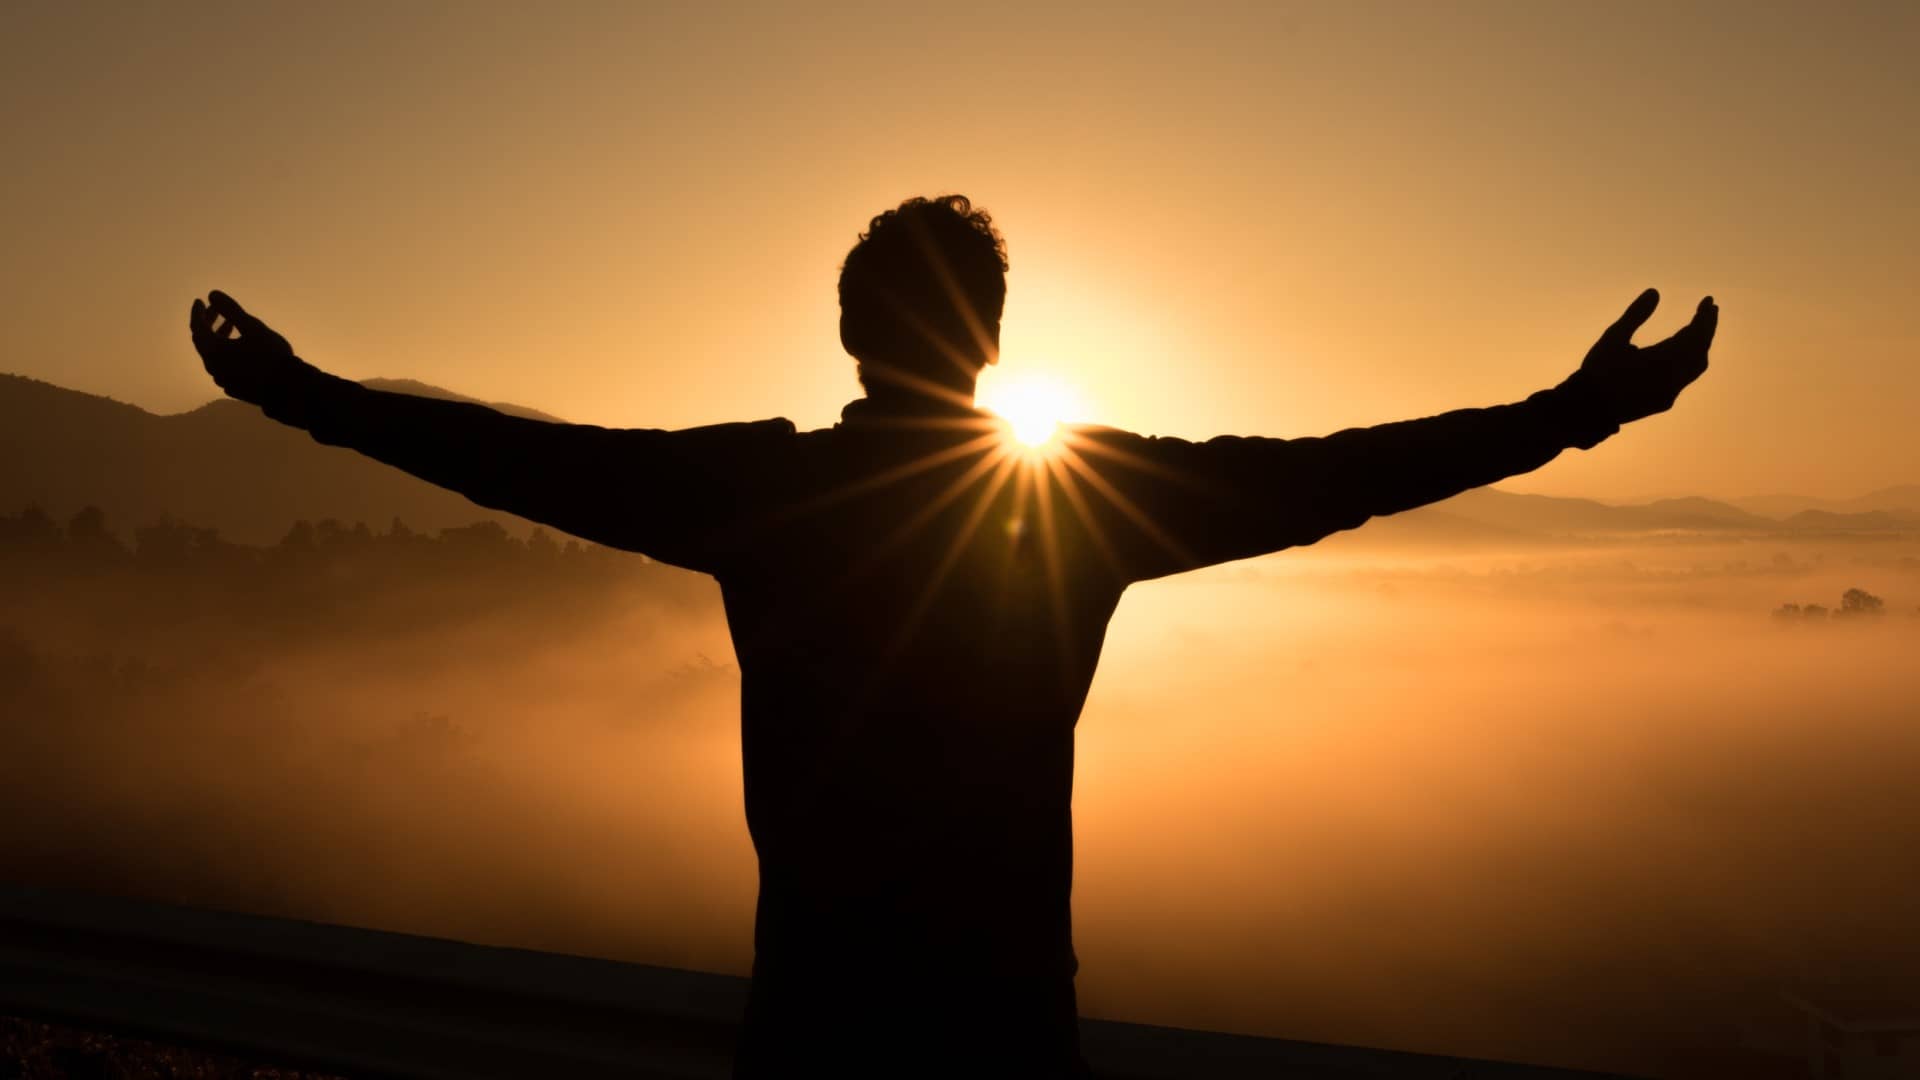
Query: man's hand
{"points": [[1625, 381], [244, 355]]}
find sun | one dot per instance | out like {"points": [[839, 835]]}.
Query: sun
{"points": [[1034, 406]]}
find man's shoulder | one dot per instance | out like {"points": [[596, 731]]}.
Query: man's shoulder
{"points": [[1173, 447], [1120, 446], [1097, 433], [738, 449], [737, 438]]}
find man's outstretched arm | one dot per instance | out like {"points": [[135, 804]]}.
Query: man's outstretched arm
{"points": [[1231, 497], [657, 492]]}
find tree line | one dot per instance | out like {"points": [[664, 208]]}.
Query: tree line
{"points": [[172, 544], [1854, 604]]}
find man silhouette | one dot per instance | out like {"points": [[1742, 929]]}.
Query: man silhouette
{"points": [[917, 604]]}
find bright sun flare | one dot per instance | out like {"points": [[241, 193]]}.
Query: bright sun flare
{"points": [[1034, 406]]}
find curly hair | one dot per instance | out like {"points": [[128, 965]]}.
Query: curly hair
{"points": [[922, 286]]}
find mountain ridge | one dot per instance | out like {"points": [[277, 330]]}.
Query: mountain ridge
{"points": [[222, 465]]}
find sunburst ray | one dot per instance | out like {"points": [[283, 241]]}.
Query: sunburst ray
{"points": [[1120, 502]]}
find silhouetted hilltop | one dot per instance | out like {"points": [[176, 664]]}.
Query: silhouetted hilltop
{"points": [[1489, 517], [428, 390], [1867, 521], [1429, 528], [1899, 499], [1556, 516], [222, 465], [1696, 508], [1551, 514]]}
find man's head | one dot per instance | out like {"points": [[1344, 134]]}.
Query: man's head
{"points": [[921, 296]]}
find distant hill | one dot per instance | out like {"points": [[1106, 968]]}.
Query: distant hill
{"points": [[222, 465], [1492, 517], [1693, 508], [1865, 521], [420, 389], [1899, 499], [225, 465], [1555, 516], [1430, 528]]}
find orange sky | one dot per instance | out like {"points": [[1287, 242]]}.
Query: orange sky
{"points": [[1266, 219]]}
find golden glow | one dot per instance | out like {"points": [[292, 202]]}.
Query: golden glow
{"points": [[1232, 247], [1034, 406]]}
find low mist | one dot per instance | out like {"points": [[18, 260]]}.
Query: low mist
{"points": [[1590, 806]]}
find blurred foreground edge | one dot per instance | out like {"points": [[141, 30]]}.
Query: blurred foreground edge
{"points": [[373, 1003]]}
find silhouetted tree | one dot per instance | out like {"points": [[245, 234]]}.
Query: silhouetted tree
{"points": [[165, 543], [29, 530], [482, 539], [88, 535], [330, 534], [299, 538], [170, 544], [1853, 603], [1860, 602]]}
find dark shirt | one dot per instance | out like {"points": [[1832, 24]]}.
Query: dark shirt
{"points": [[917, 605]]}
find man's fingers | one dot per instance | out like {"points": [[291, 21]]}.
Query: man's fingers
{"points": [[238, 318], [225, 307], [200, 323], [1706, 319], [1689, 344], [212, 317], [1638, 312], [204, 319]]}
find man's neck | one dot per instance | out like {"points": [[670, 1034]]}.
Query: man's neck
{"points": [[916, 410], [913, 402]]}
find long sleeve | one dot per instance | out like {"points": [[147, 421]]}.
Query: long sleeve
{"points": [[671, 495], [1163, 505]]}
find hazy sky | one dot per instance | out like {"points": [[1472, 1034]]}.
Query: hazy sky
{"points": [[1266, 219]]}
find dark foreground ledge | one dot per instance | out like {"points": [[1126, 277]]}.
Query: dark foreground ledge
{"points": [[368, 1002]]}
